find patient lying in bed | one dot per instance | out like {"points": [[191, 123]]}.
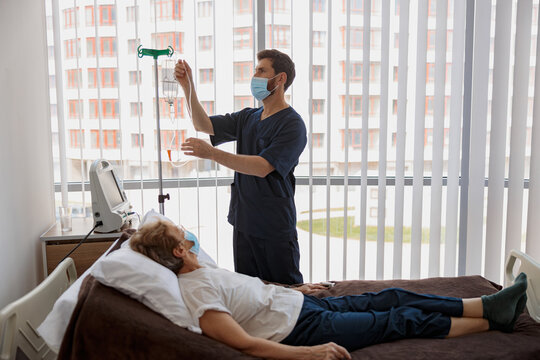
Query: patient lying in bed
{"points": [[273, 321]]}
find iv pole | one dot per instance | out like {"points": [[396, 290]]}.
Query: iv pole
{"points": [[155, 54]]}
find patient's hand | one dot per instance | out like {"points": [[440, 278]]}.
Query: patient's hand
{"points": [[329, 351], [310, 288]]}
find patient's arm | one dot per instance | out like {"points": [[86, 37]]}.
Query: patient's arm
{"points": [[222, 327]]}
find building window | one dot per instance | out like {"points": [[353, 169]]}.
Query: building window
{"points": [[429, 105], [108, 46], [89, 15], [242, 102], [90, 47], [318, 106], [356, 37], [71, 51], [74, 109], [132, 13], [318, 72], [205, 9], [109, 77], [431, 39], [208, 106], [355, 105], [168, 9], [74, 78], [69, 18], [205, 43], [243, 6], [172, 139], [137, 140], [206, 76], [319, 38], [355, 138], [278, 6], [317, 140], [111, 139], [355, 72], [165, 108], [319, 5], [109, 108], [132, 45], [136, 109], [280, 37], [243, 71], [243, 38], [133, 77], [76, 138], [107, 15], [174, 39]]}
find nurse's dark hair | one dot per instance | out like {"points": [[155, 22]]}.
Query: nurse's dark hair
{"points": [[281, 62], [157, 241]]}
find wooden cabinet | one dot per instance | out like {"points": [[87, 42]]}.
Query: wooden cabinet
{"points": [[56, 244]]}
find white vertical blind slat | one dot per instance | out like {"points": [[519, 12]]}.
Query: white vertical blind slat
{"points": [[310, 130], [479, 101], [366, 51], [533, 214], [456, 102], [383, 134], [438, 139], [497, 152], [328, 126], [419, 133], [400, 136], [518, 130], [346, 134]]}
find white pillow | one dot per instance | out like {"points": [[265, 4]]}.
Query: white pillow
{"points": [[146, 281]]}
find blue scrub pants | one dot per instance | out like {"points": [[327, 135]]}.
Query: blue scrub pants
{"points": [[361, 320], [274, 260]]}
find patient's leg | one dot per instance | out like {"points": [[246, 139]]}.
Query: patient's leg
{"points": [[465, 325]]}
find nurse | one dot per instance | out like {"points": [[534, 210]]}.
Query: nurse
{"points": [[269, 140]]}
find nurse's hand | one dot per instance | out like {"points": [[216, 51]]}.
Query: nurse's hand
{"points": [[181, 72], [198, 147], [310, 288]]}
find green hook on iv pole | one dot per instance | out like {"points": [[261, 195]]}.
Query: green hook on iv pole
{"points": [[155, 54]]}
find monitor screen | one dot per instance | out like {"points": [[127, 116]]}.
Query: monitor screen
{"points": [[110, 189]]}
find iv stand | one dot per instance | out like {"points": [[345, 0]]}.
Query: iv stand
{"points": [[155, 54]]}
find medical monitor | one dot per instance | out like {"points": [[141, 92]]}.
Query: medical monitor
{"points": [[109, 202]]}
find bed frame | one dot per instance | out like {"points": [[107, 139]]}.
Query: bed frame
{"points": [[532, 268], [20, 319]]}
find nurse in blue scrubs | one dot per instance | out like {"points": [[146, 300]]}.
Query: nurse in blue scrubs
{"points": [[269, 140]]}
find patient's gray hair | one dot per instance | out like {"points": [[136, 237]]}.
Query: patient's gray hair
{"points": [[157, 241]]}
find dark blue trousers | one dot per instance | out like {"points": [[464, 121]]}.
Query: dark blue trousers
{"points": [[274, 260], [361, 320]]}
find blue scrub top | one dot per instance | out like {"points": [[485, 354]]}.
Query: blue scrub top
{"points": [[263, 207]]}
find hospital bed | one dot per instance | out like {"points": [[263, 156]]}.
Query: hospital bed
{"points": [[106, 323]]}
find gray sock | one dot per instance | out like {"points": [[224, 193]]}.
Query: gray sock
{"points": [[500, 307], [508, 328]]}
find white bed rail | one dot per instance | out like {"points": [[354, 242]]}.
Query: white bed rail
{"points": [[20, 319], [532, 268]]}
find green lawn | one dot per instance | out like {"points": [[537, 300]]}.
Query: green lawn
{"points": [[353, 232]]}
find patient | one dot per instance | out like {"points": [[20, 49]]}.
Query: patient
{"points": [[282, 323]]}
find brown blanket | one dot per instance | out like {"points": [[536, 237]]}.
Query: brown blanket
{"points": [[109, 325]]}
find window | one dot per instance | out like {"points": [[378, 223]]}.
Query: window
{"points": [[242, 102], [137, 140], [429, 105], [206, 76], [133, 77], [431, 39], [89, 15], [205, 9], [355, 105], [132, 45], [394, 107], [74, 78], [243, 71], [52, 81], [280, 37], [165, 108], [319, 38], [355, 73], [357, 6], [356, 37], [208, 107], [76, 138], [318, 106], [90, 47], [355, 138], [167, 9], [71, 52], [171, 139], [279, 6], [318, 72], [174, 39], [395, 74], [107, 15], [319, 5], [111, 139], [243, 6], [132, 13], [69, 18], [74, 109], [430, 72], [205, 43], [243, 38], [318, 140], [136, 109], [108, 46], [109, 108], [109, 77]]}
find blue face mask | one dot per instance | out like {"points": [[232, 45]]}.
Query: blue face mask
{"points": [[189, 236], [259, 87]]}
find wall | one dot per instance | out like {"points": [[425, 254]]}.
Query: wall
{"points": [[26, 177]]}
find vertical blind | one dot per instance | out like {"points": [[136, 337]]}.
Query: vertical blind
{"points": [[389, 185]]}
